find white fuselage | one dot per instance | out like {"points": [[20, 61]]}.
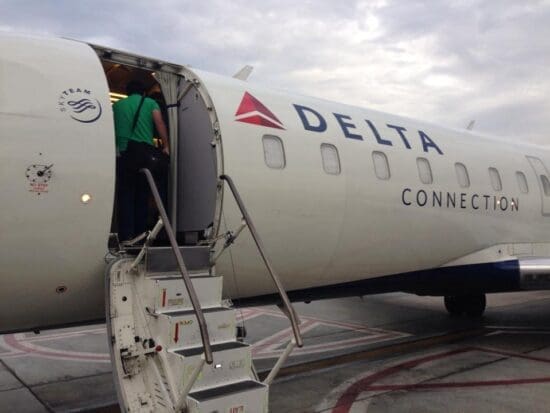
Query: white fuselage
{"points": [[319, 228]]}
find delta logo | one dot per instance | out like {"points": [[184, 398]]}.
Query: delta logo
{"points": [[252, 111]]}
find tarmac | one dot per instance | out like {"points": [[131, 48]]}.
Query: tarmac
{"points": [[390, 352]]}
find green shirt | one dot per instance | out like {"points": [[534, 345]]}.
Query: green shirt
{"points": [[124, 111]]}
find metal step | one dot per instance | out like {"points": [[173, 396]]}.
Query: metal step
{"points": [[168, 293], [162, 259], [242, 397], [173, 275], [232, 363], [179, 329]]}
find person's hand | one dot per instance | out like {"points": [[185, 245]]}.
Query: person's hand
{"points": [[165, 151]]}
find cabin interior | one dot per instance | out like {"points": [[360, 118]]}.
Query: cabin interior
{"points": [[192, 182]]}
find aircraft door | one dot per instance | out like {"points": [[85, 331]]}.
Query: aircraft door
{"points": [[543, 180], [57, 167], [197, 167]]}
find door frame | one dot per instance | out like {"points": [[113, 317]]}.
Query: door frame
{"points": [[540, 169]]}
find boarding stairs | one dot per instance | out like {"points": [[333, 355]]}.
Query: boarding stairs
{"points": [[173, 339]]}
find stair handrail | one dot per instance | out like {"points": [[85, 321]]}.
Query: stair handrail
{"points": [[290, 312], [181, 265]]}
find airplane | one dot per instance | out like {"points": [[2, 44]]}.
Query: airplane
{"points": [[347, 201]]}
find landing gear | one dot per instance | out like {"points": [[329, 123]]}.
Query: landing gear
{"points": [[470, 305]]}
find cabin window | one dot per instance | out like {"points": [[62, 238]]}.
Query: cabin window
{"points": [[331, 160], [381, 165], [545, 185], [522, 182], [495, 179], [424, 170], [462, 175], [274, 153]]}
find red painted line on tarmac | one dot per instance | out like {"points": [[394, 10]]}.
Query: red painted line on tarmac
{"points": [[14, 343], [279, 338], [248, 314], [345, 343], [58, 336], [275, 350], [423, 386], [348, 398], [282, 336], [271, 346], [512, 354], [350, 326]]}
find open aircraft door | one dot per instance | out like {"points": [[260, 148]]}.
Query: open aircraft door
{"points": [[543, 180]]}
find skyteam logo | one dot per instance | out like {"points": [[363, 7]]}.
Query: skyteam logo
{"points": [[251, 110], [80, 105]]}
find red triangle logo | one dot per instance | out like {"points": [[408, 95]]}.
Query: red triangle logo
{"points": [[251, 110]]}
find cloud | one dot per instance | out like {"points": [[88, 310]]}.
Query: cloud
{"points": [[446, 62]]}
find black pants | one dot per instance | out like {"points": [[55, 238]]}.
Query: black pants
{"points": [[133, 190]]}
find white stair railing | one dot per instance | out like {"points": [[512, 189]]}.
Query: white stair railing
{"points": [[287, 308]]}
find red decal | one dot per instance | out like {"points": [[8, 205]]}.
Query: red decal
{"points": [[251, 110], [177, 333], [164, 297], [38, 187]]}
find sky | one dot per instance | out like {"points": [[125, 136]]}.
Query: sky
{"points": [[446, 62]]}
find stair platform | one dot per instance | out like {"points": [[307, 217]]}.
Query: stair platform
{"points": [[194, 351], [240, 397], [169, 294], [162, 259]]}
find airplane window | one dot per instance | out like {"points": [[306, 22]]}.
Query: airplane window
{"points": [[274, 153], [331, 160], [545, 184], [462, 175], [495, 179], [424, 170], [381, 165], [522, 182]]}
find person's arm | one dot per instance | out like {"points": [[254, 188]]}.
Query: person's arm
{"points": [[161, 129]]}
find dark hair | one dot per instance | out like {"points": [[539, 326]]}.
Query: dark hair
{"points": [[135, 86]]}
